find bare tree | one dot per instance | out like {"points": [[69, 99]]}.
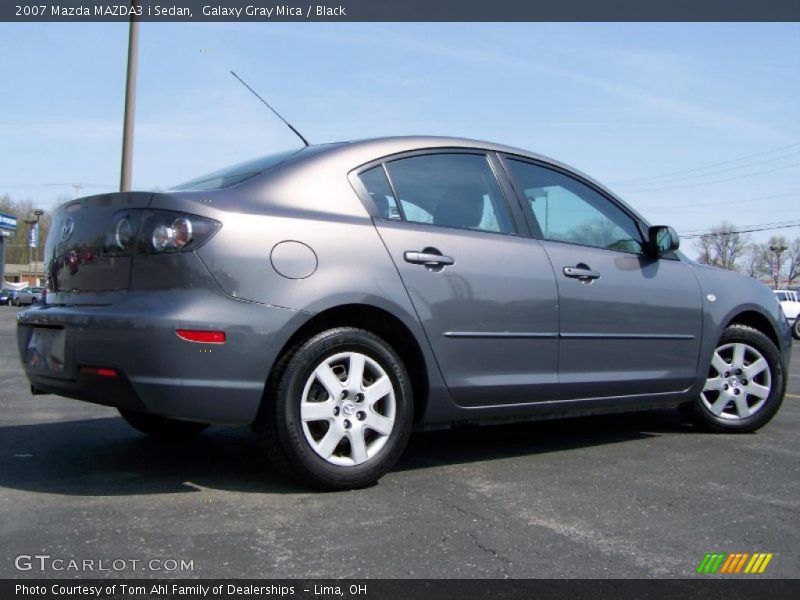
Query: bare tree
{"points": [[755, 261], [722, 247], [17, 244]]}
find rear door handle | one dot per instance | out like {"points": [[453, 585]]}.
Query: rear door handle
{"points": [[581, 272], [428, 259]]}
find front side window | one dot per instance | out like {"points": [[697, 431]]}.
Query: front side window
{"points": [[568, 210], [450, 190]]}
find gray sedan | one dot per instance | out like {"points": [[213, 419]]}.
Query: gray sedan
{"points": [[338, 296], [28, 296]]}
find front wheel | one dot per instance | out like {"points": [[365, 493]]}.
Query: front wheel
{"points": [[796, 328], [339, 410], [745, 384], [161, 427]]}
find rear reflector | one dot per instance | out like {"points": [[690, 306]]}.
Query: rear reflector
{"points": [[101, 371], [203, 337]]}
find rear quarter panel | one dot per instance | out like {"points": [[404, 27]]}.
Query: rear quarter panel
{"points": [[313, 204]]}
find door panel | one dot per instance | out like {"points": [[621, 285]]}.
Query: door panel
{"points": [[633, 330], [491, 317], [629, 324], [486, 298]]}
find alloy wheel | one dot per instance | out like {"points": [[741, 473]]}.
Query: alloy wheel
{"points": [[739, 382], [348, 408]]}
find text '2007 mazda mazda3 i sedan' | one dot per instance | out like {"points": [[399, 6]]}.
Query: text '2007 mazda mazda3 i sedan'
{"points": [[337, 296]]}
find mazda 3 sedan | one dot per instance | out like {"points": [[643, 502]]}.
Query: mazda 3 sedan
{"points": [[338, 296]]}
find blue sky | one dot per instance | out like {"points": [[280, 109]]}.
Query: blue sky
{"points": [[621, 102]]}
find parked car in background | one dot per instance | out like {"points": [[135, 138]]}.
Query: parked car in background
{"points": [[337, 296], [29, 296], [7, 296], [790, 303]]}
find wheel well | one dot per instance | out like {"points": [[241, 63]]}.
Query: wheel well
{"points": [[383, 324], [756, 321]]}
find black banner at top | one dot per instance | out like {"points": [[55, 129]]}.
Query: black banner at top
{"points": [[398, 10]]}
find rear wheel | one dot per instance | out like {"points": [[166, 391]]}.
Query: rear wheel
{"points": [[339, 410], [745, 384], [161, 427], [796, 328]]}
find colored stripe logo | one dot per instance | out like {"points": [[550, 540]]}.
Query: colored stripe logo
{"points": [[734, 563]]}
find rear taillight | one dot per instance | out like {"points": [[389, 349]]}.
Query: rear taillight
{"points": [[157, 232], [164, 232]]}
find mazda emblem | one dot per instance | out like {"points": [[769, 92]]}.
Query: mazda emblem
{"points": [[67, 229]]}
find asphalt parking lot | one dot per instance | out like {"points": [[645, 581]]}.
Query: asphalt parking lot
{"points": [[640, 495]]}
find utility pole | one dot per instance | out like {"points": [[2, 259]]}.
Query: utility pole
{"points": [[777, 250], [33, 243], [130, 104], [30, 223]]}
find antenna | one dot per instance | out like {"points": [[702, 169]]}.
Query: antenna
{"points": [[277, 114]]}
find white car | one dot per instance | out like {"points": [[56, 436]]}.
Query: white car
{"points": [[790, 303]]}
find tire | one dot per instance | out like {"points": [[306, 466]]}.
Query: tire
{"points": [[325, 439], [161, 427], [796, 328], [753, 390]]}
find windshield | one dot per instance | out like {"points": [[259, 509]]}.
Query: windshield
{"points": [[236, 173]]}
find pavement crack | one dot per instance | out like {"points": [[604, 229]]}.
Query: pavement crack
{"points": [[505, 563]]}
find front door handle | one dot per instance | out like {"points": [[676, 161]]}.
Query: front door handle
{"points": [[427, 258], [581, 272]]}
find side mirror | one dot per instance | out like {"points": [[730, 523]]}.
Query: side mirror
{"points": [[661, 239]]}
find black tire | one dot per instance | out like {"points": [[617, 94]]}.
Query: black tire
{"points": [[280, 426], [796, 328], [699, 414], [161, 427]]}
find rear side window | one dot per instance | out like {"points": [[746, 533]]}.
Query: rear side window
{"points": [[380, 192], [450, 190]]}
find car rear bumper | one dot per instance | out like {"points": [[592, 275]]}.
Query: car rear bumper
{"points": [[156, 371]]}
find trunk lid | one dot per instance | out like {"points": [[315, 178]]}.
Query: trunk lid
{"points": [[83, 262]]}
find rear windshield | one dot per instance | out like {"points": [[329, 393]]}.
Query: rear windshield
{"points": [[237, 173]]}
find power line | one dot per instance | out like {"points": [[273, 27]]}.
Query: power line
{"points": [[693, 185], [717, 172], [703, 168], [757, 225], [724, 202], [746, 229], [70, 184]]}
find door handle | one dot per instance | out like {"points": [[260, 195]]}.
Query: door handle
{"points": [[582, 273], [427, 258]]}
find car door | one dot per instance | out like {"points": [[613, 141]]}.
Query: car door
{"points": [[486, 296], [629, 324]]}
